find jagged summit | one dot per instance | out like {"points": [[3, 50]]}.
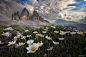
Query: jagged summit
{"points": [[24, 16], [15, 16]]}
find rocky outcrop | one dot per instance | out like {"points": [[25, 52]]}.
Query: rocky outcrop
{"points": [[24, 15], [15, 16], [35, 16]]}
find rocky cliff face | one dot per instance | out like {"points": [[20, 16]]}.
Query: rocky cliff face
{"points": [[25, 16], [15, 16], [35, 16]]}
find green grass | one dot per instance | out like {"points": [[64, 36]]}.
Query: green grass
{"points": [[71, 46]]}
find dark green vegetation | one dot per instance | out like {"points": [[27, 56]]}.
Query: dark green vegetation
{"points": [[71, 46]]}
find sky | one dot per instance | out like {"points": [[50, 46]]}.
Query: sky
{"points": [[51, 10]]}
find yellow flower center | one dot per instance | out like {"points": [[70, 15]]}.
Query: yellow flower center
{"points": [[38, 44], [15, 37], [21, 43], [45, 29], [48, 37], [33, 48], [62, 33], [29, 41]]}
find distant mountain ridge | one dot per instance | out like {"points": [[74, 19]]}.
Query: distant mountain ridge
{"points": [[64, 22], [24, 19], [79, 26], [24, 16]]}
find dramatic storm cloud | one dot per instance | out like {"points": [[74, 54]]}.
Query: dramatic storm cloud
{"points": [[59, 9], [51, 10], [7, 8]]}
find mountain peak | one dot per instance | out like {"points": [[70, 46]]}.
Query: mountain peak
{"points": [[25, 16], [24, 9]]}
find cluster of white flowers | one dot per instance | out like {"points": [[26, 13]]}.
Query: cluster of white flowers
{"points": [[7, 34], [72, 33], [26, 30], [24, 37], [40, 35], [11, 43], [53, 27], [28, 35], [9, 28], [32, 47]]}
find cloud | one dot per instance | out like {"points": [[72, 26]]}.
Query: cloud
{"points": [[34, 2], [52, 10], [82, 20], [7, 0], [7, 8], [58, 9], [29, 8]]}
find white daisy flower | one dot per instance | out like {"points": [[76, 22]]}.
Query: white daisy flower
{"points": [[42, 27], [49, 38], [67, 32], [35, 32], [62, 33], [32, 48], [24, 37], [44, 32], [21, 44], [56, 31], [26, 30], [40, 44], [72, 33], [38, 34], [50, 48], [30, 41], [45, 29], [1, 42], [53, 27], [79, 32], [19, 34], [8, 34], [28, 35], [11, 43], [56, 43], [61, 38], [41, 35], [15, 38], [9, 28]]}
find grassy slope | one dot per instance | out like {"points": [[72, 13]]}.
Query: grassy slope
{"points": [[71, 46]]}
